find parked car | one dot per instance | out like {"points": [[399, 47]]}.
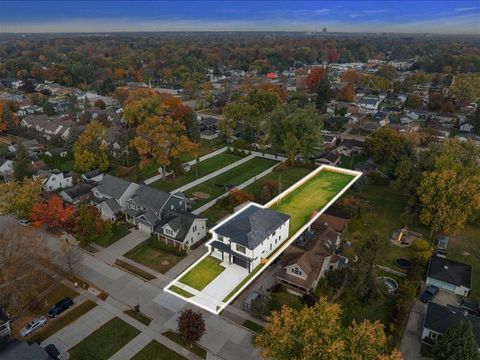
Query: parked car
{"points": [[24, 222], [247, 304], [430, 292], [470, 307], [60, 307], [33, 326]]}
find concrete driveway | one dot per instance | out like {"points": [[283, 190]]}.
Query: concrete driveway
{"points": [[411, 341]]}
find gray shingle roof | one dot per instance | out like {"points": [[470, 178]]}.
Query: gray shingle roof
{"points": [[252, 225], [450, 271], [440, 318], [180, 222], [113, 186], [150, 198]]}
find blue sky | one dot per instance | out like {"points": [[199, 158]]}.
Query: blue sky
{"points": [[371, 16]]}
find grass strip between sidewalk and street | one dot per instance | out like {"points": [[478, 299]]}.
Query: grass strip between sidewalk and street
{"points": [[196, 349]]}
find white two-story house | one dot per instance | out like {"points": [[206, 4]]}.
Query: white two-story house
{"points": [[249, 236]]}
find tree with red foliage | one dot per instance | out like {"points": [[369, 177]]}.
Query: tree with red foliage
{"points": [[52, 212], [333, 55], [313, 78], [191, 326]]}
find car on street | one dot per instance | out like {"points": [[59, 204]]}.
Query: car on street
{"points": [[33, 326], [24, 222], [469, 306], [60, 307], [430, 292]]}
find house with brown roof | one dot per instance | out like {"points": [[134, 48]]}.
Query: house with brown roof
{"points": [[309, 258], [335, 217]]}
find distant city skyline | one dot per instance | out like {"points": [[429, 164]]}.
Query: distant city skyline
{"points": [[440, 17]]}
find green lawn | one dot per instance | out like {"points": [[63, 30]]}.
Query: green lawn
{"points": [[285, 178], [156, 351], [54, 296], [203, 273], [180, 291], [465, 248], [119, 230], [278, 299], [137, 315], [180, 341], [234, 177], [311, 196], [381, 219], [150, 254], [55, 325], [203, 168], [206, 147], [252, 325], [104, 342], [3, 148], [348, 163]]}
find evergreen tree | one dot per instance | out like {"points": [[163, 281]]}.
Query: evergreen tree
{"points": [[457, 342], [323, 95], [21, 168]]}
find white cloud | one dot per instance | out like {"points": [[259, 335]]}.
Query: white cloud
{"points": [[465, 9]]}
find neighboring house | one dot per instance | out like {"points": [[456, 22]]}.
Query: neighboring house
{"points": [[208, 125], [76, 194], [350, 147], [4, 324], [6, 167], [58, 180], [329, 140], [366, 166], [368, 104], [58, 126], [22, 350], [93, 176], [327, 158], [337, 218], [439, 319], [249, 236], [381, 117], [32, 146], [181, 229], [111, 194], [449, 275], [309, 258], [61, 152]]}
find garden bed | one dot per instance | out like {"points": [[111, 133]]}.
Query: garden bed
{"points": [[134, 270]]}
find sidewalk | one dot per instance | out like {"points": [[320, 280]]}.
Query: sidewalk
{"points": [[125, 244]]}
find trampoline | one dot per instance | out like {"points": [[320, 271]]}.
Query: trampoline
{"points": [[403, 263]]}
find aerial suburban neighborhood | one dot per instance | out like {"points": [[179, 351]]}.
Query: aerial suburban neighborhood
{"points": [[239, 180]]}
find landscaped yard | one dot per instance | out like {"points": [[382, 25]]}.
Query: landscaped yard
{"points": [[119, 230], [349, 162], [465, 248], [156, 351], [156, 255], [180, 341], [311, 196], [203, 273], [205, 147], [234, 177], [3, 148], [203, 168], [137, 315], [285, 178], [55, 325], [104, 342]]}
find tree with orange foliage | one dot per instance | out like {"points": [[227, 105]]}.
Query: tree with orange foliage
{"points": [[119, 74], [52, 212], [8, 118], [347, 93], [313, 78], [353, 77]]}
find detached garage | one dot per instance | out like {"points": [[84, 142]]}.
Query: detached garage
{"points": [[449, 275]]}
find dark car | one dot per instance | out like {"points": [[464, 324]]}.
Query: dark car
{"points": [[60, 307], [472, 308], [429, 293]]}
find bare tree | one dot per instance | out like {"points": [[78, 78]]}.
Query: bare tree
{"points": [[71, 255], [20, 251]]}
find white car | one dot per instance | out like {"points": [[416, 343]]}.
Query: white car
{"points": [[33, 326], [24, 222]]}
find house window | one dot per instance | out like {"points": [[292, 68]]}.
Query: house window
{"points": [[220, 238], [194, 228], [274, 233], [297, 271], [241, 249]]}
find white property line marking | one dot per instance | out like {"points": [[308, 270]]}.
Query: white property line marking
{"points": [[219, 308]]}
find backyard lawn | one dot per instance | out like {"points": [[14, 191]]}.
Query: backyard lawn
{"points": [[156, 351], [203, 273], [234, 177], [155, 255], [311, 196], [285, 178], [104, 342], [203, 168], [206, 147], [465, 248]]}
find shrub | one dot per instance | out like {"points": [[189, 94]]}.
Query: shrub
{"points": [[277, 288], [309, 300]]}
